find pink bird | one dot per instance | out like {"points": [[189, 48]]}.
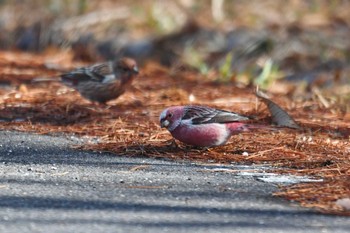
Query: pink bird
{"points": [[203, 126]]}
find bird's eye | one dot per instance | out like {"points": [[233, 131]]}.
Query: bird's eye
{"points": [[170, 115]]}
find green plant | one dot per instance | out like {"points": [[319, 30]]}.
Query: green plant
{"points": [[225, 70], [268, 75], [194, 59]]}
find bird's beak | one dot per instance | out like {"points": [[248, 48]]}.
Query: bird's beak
{"points": [[164, 124], [135, 70]]}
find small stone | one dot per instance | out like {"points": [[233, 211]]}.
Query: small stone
{"points": [[191, 98], [344, 203], [245, 153]]}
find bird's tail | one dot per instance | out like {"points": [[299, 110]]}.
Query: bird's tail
{"points": [[262, 127], [46, 79], [238, 127]]}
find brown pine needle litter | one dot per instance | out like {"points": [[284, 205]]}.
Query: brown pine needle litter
{"points": [[129, 126]]}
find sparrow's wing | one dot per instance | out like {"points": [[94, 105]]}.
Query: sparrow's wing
{"points": [[206, 115], [103, 69], [96, 73]]}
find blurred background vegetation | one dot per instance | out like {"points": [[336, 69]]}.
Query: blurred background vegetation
{"points": [[248, 42]]}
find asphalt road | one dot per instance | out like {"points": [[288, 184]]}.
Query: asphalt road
{"points": [[45, 186]]}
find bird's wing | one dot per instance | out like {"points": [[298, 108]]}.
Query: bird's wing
{"points": [[206, 115], [103, 69], [95, 73]]}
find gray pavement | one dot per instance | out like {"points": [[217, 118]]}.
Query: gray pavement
{"points": [[45, 186]]}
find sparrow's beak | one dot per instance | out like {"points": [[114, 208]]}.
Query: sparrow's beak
{"points": [[164, 124], [135, 70]]}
